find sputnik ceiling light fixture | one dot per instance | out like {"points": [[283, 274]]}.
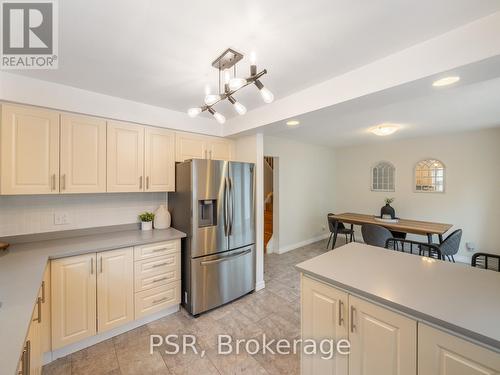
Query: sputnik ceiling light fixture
{"points": [[223, 64]]}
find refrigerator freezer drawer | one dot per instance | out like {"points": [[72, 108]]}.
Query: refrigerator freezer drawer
{"points": [[218, 279]]}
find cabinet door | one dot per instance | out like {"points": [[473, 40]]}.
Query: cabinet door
{"points": [[382, 341], [324, 316], [125, 172], [45, 327], [440, 353], [220, 149], [83, 154], [34, 338], [115, 288], [190, 146], [159, 161], [73, 294], [29, 151]]}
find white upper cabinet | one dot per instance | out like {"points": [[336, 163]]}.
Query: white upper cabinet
{"points": [[442, 354], [29, 150], [194, 146], [189, 146], [125, 157], [159, 159], [83, 154], [220, 149]]}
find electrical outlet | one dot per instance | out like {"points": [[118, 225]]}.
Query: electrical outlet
{"points": [[470, 246], [61, 218], [323, 228]]}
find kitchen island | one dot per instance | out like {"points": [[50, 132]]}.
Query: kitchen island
{"points": [[400, 312]]}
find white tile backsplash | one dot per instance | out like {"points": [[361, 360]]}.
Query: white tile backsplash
{"points": [[35, 213]]}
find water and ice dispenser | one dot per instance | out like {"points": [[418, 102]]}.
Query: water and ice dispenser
{"points": [[207, 213]]}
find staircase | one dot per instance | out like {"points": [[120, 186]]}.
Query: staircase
{"points": [[268, 202]]}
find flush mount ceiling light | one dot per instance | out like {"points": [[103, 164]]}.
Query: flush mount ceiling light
{"points": [[384, 129], [223, 64], [446, 81], [293, 122]]}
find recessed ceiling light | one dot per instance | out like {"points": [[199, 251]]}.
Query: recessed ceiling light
{"points": [[446, 81], [384, 129], [293, 122]]}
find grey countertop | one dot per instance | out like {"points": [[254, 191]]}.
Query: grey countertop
{"points": [[23, 265], [455, 297]]}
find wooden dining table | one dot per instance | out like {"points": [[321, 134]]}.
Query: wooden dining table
{"points": [[426, 228]]}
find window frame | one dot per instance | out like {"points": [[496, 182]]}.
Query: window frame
{"points": [[415, 190], [376, 166]]}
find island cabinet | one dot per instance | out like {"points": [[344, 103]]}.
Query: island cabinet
{"points": [[383, 341], [440, 353]]}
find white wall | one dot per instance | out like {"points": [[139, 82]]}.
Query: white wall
{"points": [[306, 190], [251, 149], [25, 90], [471, 200], [35, 213]]}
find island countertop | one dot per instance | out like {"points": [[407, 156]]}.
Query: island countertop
{"points": [[23, 265], [456, 297]]}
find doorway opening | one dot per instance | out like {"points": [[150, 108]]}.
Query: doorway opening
{"points": [[270, 204]]}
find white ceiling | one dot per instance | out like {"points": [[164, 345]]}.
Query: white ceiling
{"points": [[160, 53], [420, 108]]}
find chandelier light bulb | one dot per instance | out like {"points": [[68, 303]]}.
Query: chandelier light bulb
{"points": [[207, 89], [219, 117], [240, 108], [267, 95], [227, 76], [211, 99], [237, 83], [253, 58], [193, 112]]}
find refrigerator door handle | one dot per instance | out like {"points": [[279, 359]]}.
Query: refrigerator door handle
{"points": [[231, 209], [226, 258], [226, 232]]}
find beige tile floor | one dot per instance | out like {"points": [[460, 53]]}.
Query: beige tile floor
{"points": [[273, 311]]}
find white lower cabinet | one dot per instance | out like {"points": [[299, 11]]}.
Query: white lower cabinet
{"points": [[97, 292], [31, 357], [324, 316], [440, 353], [383, 342], [73, 293], [115, 288]]}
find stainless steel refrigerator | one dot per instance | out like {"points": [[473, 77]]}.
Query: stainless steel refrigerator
{"points": [[214, 204]]}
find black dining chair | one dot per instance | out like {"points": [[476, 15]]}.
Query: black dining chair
{"points": [[375, 235], [486, 261], [448, 248], [341, 229]]}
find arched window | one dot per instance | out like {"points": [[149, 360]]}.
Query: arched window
{"points": [[429, 176], [383, 175]]}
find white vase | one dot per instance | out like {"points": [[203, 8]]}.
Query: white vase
{"points": [[146, 225], [162, 218]]}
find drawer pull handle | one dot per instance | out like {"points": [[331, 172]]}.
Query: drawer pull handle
{"points": [[161, 264], [162, 279], [157, 301], [161, 249]]}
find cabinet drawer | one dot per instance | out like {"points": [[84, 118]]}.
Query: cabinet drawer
{"points": [[158, 265], [156, 249], [156, 299], [148, 282]]}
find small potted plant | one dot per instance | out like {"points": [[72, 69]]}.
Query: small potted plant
{"points": [[387, 212], [147, 220]]}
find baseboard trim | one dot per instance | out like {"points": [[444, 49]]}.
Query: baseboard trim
{"points": [[294, 246], [69, 349], [260, 285]]}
